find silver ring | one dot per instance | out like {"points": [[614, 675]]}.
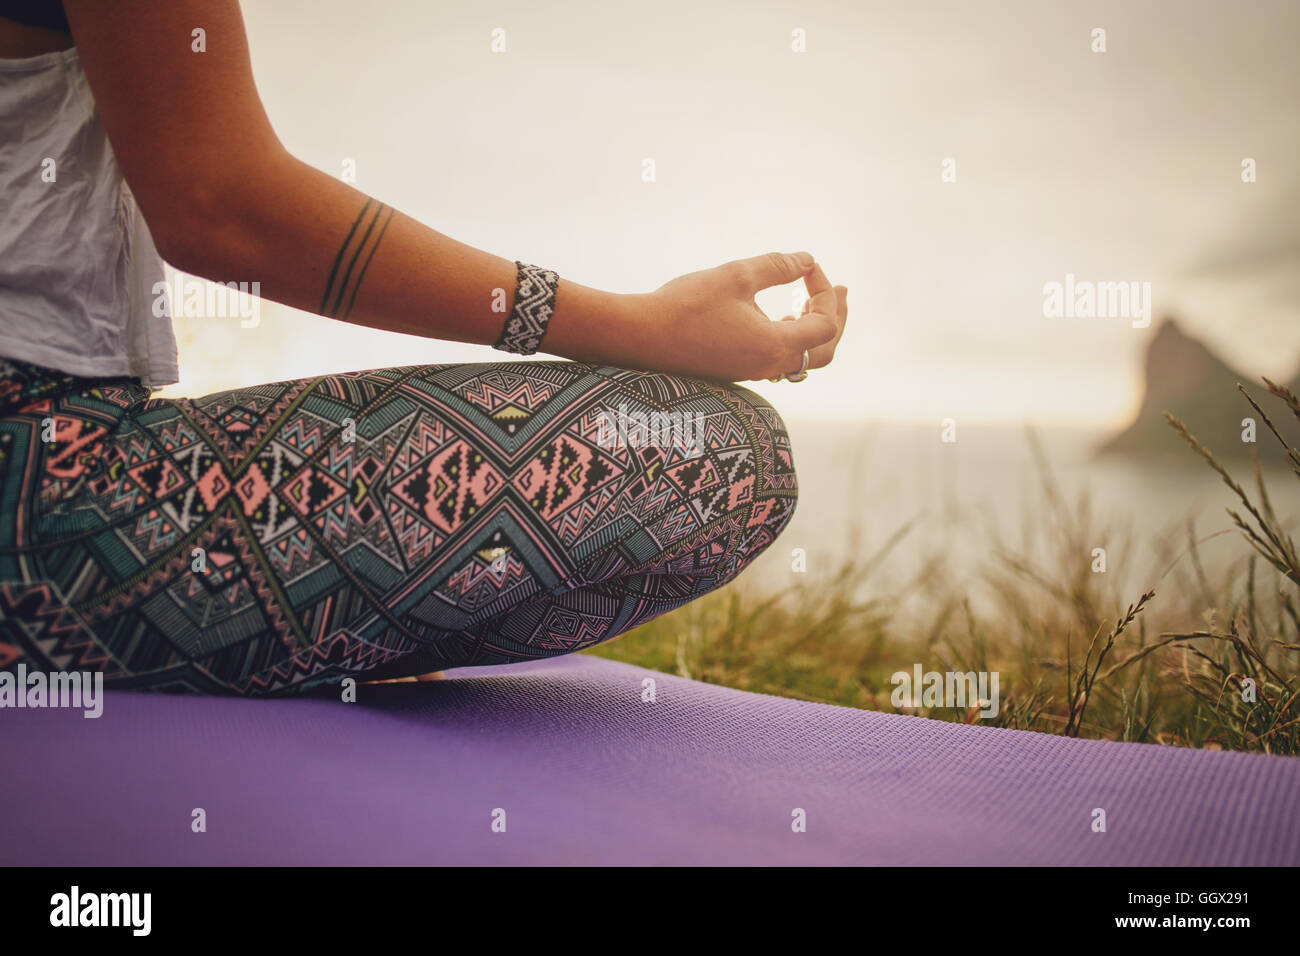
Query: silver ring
{"points": [[798, 376]]}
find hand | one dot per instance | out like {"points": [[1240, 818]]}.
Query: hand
{"points": [[706, 324]]}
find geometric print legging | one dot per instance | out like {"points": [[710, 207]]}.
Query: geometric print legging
{"points": [[374, 524]]}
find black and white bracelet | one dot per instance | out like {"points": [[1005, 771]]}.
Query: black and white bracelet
{"points": [[534, 303]]}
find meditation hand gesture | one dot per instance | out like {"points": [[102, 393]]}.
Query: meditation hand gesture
{"points": [[707, 324]]}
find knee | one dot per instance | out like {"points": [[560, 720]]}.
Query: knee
{"points": [[739, 481], [707, 472], [765, 478]]}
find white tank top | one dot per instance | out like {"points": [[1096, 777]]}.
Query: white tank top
{"points": [[78, 268]]}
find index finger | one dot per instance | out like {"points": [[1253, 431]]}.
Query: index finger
{"points": [[821, 294]]}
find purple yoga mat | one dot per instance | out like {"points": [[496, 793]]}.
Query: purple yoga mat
{"points": [[586, 772]]}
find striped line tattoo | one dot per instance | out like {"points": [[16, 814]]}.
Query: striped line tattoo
{"points": [[359, 247]]}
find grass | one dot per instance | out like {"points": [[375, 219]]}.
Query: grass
{"points": [[1201, 659]]}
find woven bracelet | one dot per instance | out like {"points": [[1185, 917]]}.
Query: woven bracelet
{"points": [[534, 304]]}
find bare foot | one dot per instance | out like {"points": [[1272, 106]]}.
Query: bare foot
{"points": [[435, 675]]}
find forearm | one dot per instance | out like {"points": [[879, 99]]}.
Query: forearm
{"points": [[316, 243], [174, 89]]}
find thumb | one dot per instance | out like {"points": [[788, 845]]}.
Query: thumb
{"points": [[776, 268]]}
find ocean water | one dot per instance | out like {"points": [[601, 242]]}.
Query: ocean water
{"points": [[861, 484]]}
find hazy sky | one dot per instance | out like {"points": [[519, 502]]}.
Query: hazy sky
{"points": [[1123, 165]]}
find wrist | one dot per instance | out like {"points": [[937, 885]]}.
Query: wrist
{"points": [[594, 326], [632, 329]]}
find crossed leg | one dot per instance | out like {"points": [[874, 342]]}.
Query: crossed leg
{"points": [[376, 524]]}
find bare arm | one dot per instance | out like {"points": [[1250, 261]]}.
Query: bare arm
{"points": [[226, 201]]}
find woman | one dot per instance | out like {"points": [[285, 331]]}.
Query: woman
{"points": [[382, 523]]}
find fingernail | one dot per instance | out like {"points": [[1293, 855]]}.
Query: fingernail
{"points": [[805, 259]]}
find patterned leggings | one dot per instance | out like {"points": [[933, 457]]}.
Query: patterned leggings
{"points": [[381, 523]]}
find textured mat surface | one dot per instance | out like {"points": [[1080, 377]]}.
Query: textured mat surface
{"points": [[587, 772]]}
